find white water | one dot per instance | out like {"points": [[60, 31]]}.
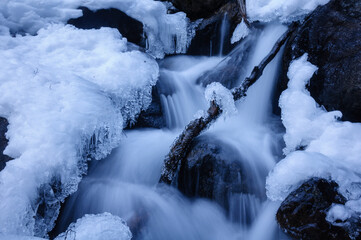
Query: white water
{"points": [[125, 184], [224, 29]]}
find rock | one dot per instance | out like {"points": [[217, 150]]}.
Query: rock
{"points": [[209, 33], [229, 71], [196, 9], [331, 36], [215, 170], [3, 142], [153, 116], [114, 18], [303, 213]]}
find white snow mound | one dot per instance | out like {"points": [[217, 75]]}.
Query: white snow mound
{"points": [[97, 227], [283, 10]]}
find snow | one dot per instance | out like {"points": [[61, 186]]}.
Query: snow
{"points": [[338, 212], [17, 237], [331, 147], [97, 227], [166, 33], [221, 96], [66, 93], [283, 10], [240, 32]]}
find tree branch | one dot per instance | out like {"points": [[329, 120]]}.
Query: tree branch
{"points": [[181, 146]]}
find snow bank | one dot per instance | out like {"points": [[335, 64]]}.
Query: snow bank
{"points": [[283, 10], [97, 227], [66, 93], [166, 33], [332, 148], [222, 96]]}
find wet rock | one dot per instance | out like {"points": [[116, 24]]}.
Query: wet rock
{"points": [[198, 8], [302, 214], [3, 143], [114, 18], [229, 71], [153, 116], [215, 170], [215, 30], [332, 38]]}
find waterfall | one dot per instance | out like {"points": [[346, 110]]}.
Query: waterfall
{"points": [[224, 30], [126, 182]]}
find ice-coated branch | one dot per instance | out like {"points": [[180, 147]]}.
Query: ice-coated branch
{"points": [[182, 145]]}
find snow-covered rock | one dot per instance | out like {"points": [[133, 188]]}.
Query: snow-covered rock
{"points": [[317, 145], [66, 94], [166, 33]]}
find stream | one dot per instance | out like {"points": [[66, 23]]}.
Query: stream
{"points": [[126, 182]]}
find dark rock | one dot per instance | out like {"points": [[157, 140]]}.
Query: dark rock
{"points": [[137, 223], [229, 71], [153, 116], [3, 143], [114, 18], [208, 39], [302, 214], [196, 9], [215, 170], [331, 36]]}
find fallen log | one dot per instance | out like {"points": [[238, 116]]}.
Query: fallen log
{"points": [[182, 144]]}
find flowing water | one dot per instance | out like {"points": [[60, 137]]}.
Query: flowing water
{"points": [[126, 182]]}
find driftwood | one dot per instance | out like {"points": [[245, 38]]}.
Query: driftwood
{"points": [[182, 145]]}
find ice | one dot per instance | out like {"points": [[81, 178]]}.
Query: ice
{"points": [[221, 96], [97, 227], [240, 32], [331, 147], [66, 93], [283, 10], [166, 33]]}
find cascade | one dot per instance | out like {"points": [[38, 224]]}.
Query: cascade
{"points": [[126, 182], [224, 30]]}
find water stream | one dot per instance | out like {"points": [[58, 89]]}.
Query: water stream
{"points": [[126, 182]]}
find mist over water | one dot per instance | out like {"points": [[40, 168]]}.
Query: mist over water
{"points": [[126, 182]]}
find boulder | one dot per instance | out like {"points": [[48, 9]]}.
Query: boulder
{"points": [[215, 170], [3, 143], [153, 116], [196, 9], [213, 34], [114, 18], [303, 213], [331, 36], [229, 70]]}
